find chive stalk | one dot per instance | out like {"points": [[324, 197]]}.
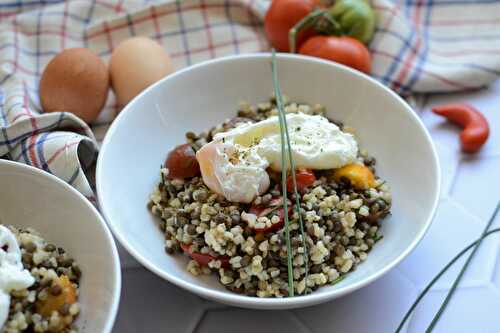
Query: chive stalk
{"points": [[337, 280], [462, 272], [279, 104], [286, 138], [474, 245]]}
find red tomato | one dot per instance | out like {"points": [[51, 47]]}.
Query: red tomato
{"points": [[304, 178], [204, 258], [282, 16], [264, 211], [181, 162], [344, 50]]}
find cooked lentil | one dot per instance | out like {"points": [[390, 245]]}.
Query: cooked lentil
{"points": [[341, 222], [47, 264]]}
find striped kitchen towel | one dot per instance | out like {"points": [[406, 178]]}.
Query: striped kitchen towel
{"points": [[425, 46], [420, 46]]}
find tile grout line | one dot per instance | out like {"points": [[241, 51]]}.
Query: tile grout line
{"points": [[493, 262], [453, 181], [496, 289], [495, 270], [197, 324], [418, 290], [299, 321], [465, 211], [492, 266], [398, 270], [446, 188]]}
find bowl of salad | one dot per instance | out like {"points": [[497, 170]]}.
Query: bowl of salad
{"points": [[60, 270], [263, 198]]}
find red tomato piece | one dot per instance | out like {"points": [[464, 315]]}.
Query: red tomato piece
{"points": [[304, 178], [204, 258], [344, 50], [181, 162], [282, 16], [264, 211]]}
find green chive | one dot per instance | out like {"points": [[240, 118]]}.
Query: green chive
{"points": [[279, 105], [337, 280], [474, 245], [283, 123], [274, 209], [297, 200], [462, 272]]}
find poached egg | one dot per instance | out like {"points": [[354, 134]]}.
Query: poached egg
{"points": [[234, 164], [13, 276]]}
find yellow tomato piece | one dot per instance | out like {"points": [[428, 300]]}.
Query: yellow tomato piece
{"points": [[54, 303], [359, 175]]}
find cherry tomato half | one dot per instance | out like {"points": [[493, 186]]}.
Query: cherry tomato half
{"points": [[282, 16], [204, 258], [304, 178], [181, 162], [265, 211], [344, 50]]}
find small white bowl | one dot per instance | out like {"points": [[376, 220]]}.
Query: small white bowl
{"points": [[33, 198], [204, 95]]}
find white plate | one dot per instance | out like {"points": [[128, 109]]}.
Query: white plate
{"points": [[203, 95], [33, 198]]}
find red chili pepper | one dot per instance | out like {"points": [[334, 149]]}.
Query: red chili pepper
{"points": [[274, 206], [475, 126], [204, 258], [304, 178]]}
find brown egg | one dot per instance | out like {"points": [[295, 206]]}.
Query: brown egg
{"points": [[76, 81], [135, 64]]}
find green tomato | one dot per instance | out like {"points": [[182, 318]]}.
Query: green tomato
{"points": [[356, 18]]}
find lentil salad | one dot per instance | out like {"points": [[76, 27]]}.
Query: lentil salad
{"points": [[243, 243], [50, 303]]}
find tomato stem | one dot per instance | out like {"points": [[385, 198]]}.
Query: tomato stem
{"points": [[328, 25], [307, 21]]}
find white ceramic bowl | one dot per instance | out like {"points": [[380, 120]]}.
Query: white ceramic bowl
{"points": [[203, 95], [33, 198]]}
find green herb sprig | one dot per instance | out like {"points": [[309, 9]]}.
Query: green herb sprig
{"points": [[286, 147], [273, 210], [337, 280], [279, 104], [475, 246]]}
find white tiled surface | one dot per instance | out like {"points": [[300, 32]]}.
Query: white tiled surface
{"points": [[471, 189]]}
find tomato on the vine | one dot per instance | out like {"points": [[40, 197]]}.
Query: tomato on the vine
{"points": [[281, 16], [344, 50], [355, 17]]}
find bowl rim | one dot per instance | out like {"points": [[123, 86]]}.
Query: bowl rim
{"points": [[254, 302], [24, 168]]}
